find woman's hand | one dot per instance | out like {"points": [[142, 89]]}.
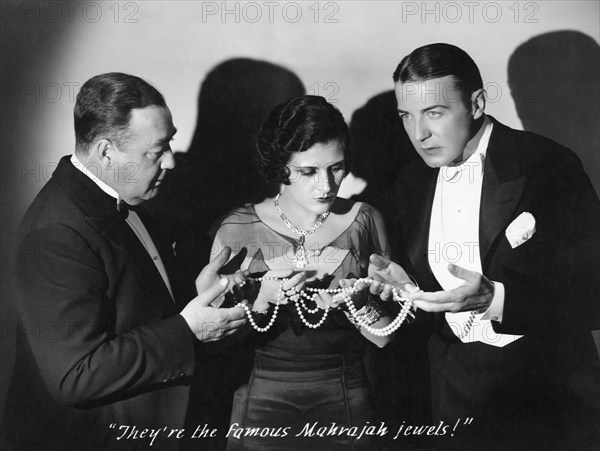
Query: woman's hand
{"points": [[386, 276], [270, 289], [326, 301]]}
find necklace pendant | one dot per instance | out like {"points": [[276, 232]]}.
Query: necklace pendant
{"points": [[300, 258]]}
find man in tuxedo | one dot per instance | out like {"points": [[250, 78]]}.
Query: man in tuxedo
{"points": [[500, 228], [108, 339]]}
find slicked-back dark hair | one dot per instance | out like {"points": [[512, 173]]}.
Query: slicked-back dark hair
{"points": [[104, 105], [295, 126], [439, 60]]}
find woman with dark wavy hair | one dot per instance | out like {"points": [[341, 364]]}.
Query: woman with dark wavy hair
{"points": [[308, 363]]}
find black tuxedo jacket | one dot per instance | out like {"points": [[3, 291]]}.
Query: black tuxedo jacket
{"points": [[530, 392], [101, 344]]}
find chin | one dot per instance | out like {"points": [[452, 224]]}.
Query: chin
{"points": [[321, 208], [437, 162], [434, 163]]}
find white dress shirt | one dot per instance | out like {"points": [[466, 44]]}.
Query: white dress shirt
{"points": [[133, 220], [454, 238]]}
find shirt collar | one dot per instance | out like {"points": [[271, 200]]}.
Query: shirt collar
{"points": [[482, 138], [103, 186]]}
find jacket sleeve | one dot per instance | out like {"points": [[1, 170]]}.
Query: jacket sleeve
{"points": [[84, 351]]}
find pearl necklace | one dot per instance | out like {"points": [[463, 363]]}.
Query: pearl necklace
{"points": [[300, 257], [406, 310], [280, 296]]}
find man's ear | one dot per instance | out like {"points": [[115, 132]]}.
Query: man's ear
{"points": [[478, 99], [104, 150]]}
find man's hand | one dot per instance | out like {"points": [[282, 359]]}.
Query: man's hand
{"points": [[387, 275], [210, 323], [475, 294], [210, 273]]}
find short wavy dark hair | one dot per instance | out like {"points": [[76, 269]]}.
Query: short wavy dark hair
{"points": [[439, 60], [104, 105], [295, 126]]}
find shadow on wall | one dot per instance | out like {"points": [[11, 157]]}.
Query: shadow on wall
{"points": [[555, 82], [380, 146], [219, 172]]}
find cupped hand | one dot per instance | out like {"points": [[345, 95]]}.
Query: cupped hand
{"points": [[386, 276], [211, 274], [209, 323], [476, 293]]}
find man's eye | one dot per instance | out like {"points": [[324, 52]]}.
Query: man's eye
{"points": [[308, 173], [403, 116], [434, 114]]}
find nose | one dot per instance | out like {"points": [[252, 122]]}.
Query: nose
{"points": [[421, 131], [327, 180], [168, 161]]}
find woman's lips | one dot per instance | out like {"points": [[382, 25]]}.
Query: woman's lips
{"points": [[326, 199]]}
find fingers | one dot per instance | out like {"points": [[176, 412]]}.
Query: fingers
{"points": [[441, 297], [437, 307], [212, 293], [387, 293], [233, 314], [360, 286], [345, 283], [279, 273], [239, 277], [463, 273], [220, 260], [295, 282], [455, 300], [234, 325], [376, 287], [410, 288], [321, 301], [378, 262]]}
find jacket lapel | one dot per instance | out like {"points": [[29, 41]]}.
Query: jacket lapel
{"points": [[101, 213], [417, 185], [117, 231], [503, 185]]}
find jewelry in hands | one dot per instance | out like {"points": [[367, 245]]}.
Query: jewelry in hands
{"points": [[361, 318], [300, 258]]}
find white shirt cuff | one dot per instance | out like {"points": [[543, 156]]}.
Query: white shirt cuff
{"points": [[496, 309]]}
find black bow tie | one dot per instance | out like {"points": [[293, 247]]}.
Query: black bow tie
{"points": [[124, 208]]}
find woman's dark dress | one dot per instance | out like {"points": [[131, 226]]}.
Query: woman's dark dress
{"points": [[303, 376]]}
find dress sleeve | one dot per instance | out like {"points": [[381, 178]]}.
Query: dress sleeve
{"points": [[375, 227]]}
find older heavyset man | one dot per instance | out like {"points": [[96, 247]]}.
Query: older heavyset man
{"points": [[95, 268], [501, 230]]}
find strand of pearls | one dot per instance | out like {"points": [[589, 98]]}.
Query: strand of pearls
{"points": [[405, 311], [280, 296], [298, 300]]}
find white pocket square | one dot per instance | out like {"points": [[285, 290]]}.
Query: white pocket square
{"points": [[521, 229]]}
